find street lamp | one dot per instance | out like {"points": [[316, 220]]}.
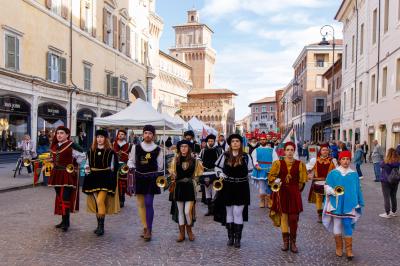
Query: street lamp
{"points": [[325, 42], [295, 85]]}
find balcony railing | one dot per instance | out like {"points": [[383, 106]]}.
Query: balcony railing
{"points": [[297, 96], [327, 116]]}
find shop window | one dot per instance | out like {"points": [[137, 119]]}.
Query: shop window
{"points": [[11, 52]]}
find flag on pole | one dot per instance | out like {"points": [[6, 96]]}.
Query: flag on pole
{"points": [[290, 136], [204, 133]]}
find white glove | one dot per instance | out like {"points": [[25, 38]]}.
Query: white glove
{"points": [[277, 181], [329, 190]]}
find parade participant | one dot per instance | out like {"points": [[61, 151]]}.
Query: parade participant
{"points": [[253, 144], [100, 183], [189, 135], [290, 176], [209, 156], [232, 201], [122, 150], [343, 203], [184, 169], [147, 163], [222, 143], [319, 169], [66, 156], [263, 157], [28, 150]]}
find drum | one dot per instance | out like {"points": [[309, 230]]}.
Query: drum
{"points": [[319, 187], [207, 178]]}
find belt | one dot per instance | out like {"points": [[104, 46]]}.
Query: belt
{"points": [[99, 169], [184, 180], [60, 167], [264, 162], [236, 179]]}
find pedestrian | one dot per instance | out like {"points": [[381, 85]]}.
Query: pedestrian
{"points": [[27, 146], [100, 184], [64, 175], [334, 150], [289, 176], [398, 149], [146, 162], [184, 170], [300, 149], [43, 142], [222, 143], [358, 160], [389, 189], [253, 144], [343, 204], [231, 204], [365, 149], [195, 147], [377, 158]]}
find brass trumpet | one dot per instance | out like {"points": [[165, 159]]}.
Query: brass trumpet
{"points": [[276, 187], [218, 184], [70, 168], [161, 182], [124, 169], [339, 190], [27, 162]]}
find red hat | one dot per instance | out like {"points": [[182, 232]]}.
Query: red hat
{"points": [[324, 145], [344, 154], [262, 136], [290, 143]]}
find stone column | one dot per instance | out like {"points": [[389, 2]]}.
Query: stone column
{"points": [[149, 90], [34, 117]]}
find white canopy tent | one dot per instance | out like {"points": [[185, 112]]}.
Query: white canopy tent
{"points": [[197, 126]]}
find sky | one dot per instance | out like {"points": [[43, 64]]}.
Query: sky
{"points": [[257, 41]]}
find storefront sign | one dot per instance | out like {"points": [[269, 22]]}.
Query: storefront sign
{"points": [[371, 130], [396, 128], [51, 109], [86, 115], [13, 104]]}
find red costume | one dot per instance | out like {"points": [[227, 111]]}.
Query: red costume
{"points": [[123, 156]]}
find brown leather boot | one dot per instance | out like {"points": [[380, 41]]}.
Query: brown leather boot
{"points": [[147, 235], [348, 241], [181, 236], [320, 216], [189, 232], [293, 246], [144, 232], [339, 245], [285, 237]]}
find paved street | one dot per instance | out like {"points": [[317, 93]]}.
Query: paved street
{"points": [[28, 236]]}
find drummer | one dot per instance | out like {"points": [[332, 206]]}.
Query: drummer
{"points": [[209, 156], [318, 169]]}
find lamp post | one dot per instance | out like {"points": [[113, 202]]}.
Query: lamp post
{"points": [[296, 93], [325, 42]]}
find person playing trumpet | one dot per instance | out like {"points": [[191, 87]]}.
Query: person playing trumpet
{"points": [[287, 178], [232, 201], [343, 203], [184, 169], [66, 155], [319, 169], [100, 183], [122, 150]]}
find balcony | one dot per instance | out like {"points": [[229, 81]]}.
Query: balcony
{"points": [[326, 118], [297, 96]]}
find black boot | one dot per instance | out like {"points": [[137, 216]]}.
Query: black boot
{"points": [[229, 228], [98, 225], [66, 221], [238, 234], [100, 232], [122, 200], [61, 225], [209, 211]]}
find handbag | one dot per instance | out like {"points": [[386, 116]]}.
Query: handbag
{"points": [[394, 176]]}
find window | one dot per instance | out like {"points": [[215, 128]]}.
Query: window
{"points": [[398, 74], [345, 57], [124, 90], [386, 17], [398, 11], [384, 81], [329, 89], [271, 108], [319, 82], [360, 93], [351, 98], [320, 60], [87, 73], [56, 6], [344, 101], [11, 52], [108, 32], [87, 16], [319, 105], [123, 37], [264, 109], [373, 84], [256, 109], [362, 39], [374, 25], [112, 85], [56, 68]]}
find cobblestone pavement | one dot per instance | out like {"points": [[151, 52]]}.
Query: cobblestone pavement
{"points": [[28, 236]]}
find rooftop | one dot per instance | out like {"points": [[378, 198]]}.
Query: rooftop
{"points": [[264, 100], [211, 91]]}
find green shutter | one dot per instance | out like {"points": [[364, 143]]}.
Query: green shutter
{"points": [[108, 82], [16, 54], [114, 86], [48, 74], [63, 70]]}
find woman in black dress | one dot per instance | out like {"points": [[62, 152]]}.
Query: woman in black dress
{"points": [[184, 169], [100, 183], [231, 204]]}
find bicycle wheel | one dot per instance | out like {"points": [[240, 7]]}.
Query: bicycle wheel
{"points": [[18, 167]]}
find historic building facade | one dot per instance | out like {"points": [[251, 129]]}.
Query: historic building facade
{"points": [[371, 71], [51, 73], [264, 114]]}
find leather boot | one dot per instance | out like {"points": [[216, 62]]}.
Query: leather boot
{"points": [[285, 237], [100, 231], [293, 247], [209, 212], [267, 200], [238, 234], [147, 235], [144, 232], [319, 216], [98, 225], [66, 221], [349, 247], [229, 228], [122, 200], [189, 232], [181, 236], [61, 225], [261, 204], [339, 245]]}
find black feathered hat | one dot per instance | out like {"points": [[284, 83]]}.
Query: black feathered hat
{"points": [[234, 136]]}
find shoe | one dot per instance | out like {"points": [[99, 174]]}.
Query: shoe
{"points": [[319, 216], [121, 204], [147, 235], [339, 245], [360, 177], [209, 211], [393, 214], [261, 204], [98, 225], [285, 237], [293, 247], [100, 231], [229, 228], [144, 232], [385, 215], [349, 247], [190, 233], [238, 228], [181, 236], [66, 221], [60, 225]]}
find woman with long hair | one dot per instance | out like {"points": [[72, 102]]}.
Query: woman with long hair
{"points": [[389, 189], [100, 183], [184, 170], [232, 201]]}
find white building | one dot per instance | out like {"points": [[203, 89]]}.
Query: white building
{"points": [[371, 71]]}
